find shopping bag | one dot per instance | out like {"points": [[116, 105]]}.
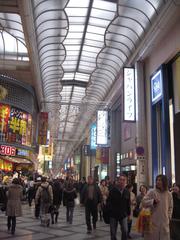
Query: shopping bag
{"points": [[144, 221], [77, 202]]}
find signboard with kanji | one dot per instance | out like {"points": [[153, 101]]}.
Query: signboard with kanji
{"points": [[102, 127], [15, 125], [129, 94]]}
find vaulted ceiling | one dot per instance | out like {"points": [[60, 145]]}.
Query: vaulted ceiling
{"points": [[72, 52]]}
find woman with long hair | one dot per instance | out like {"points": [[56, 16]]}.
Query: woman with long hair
{"points": [[160, 202]]}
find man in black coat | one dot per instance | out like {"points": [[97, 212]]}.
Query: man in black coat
{"points": [[119, 207], [90, 197]]}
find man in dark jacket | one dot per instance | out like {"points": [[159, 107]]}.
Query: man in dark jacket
{"points": [[90, 197], [119, 207]]}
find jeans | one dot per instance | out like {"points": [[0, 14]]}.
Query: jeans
{"points": [[114, 225]]}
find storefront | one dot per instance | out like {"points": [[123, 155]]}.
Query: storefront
{"points": [[162, 106], [18, 123]]}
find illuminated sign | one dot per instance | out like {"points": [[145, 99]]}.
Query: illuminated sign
{"points": [[118, 164], [129, 94], [22, 152], [93, 136], [15, 125], [156, 87], [7, 150], [102, 127]]}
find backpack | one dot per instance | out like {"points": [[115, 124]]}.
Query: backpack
{"points": [[45, 195]]}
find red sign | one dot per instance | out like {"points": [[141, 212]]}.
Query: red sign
{"points": [[43, 127], [7, 150]]}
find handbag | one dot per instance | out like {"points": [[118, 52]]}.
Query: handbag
{"points": [[3, 208], [51, 209], [136, 212], [144, 221]]}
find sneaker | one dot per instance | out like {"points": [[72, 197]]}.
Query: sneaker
{"points": [[88, 231]]}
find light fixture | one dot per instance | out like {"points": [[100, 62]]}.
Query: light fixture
{"points": [[3, 92]]}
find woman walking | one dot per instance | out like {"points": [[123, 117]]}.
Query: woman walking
{"points": [[160, 202], [14, 209]]}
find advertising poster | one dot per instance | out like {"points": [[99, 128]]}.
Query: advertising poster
{"points": [[15, 125]]}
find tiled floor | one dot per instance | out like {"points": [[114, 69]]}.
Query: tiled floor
{"points": [[29, 228]]}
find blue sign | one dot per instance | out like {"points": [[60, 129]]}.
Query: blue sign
{"points": [[156, 86], [93, 136]]}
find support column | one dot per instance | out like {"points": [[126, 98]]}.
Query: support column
{"points": [[141, 139]]}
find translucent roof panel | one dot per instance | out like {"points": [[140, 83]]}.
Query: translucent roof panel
{"points": [[82, 77], [12, 42], [82, 46]]}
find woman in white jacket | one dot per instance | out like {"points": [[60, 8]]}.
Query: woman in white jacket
{"points": [[160, 201]]}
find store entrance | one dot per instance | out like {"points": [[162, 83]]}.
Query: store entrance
{"points": [[161, 152]]}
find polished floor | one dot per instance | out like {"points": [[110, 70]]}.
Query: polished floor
{"points": [[29, 228]]}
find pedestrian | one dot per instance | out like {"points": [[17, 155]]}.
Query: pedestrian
{"points": [[69, 194], [175, 222], [143, 191], [160, 202], [119, 206], [37, 203], [14, 209], [3, 197], [44, 194], [57, 198], [104, 192], [132, 205], [82, 183], [30, 191], [90, 197]]}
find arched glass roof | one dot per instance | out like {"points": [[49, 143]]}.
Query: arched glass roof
{"points": [[81, 47], [12, 42]]}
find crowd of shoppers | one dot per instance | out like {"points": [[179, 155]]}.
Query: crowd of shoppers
{"points": [[123, 205]]}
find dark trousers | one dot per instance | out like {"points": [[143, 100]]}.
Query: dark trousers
{"points": [[124, 228], [91, 210], [69, 214], [37, 210], [30, 195], [175, 229], [11, 223]]}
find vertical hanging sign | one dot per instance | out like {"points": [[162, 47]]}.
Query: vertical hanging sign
{"points": [[43, 127], [129, 94], [102, 127], [93, 136]]}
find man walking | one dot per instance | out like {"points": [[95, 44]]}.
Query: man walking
{"points": [[90, 197], [119, 207]]}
